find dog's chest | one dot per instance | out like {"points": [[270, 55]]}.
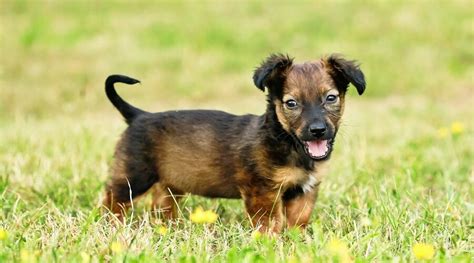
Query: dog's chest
{"points": [[287, 177], [309, 184]]}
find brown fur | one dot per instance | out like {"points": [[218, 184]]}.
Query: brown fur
{"points": [[261, 159], [298, 210]]}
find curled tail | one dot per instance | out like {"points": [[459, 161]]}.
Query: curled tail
{"points": [[128, 111]]}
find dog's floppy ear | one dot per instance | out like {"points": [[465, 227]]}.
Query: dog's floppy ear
{"points": [[272, 71], [344, 72]]}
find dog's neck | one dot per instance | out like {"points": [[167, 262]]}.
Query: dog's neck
{"points": [[285, 148]]}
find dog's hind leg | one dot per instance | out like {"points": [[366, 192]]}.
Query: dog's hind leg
{"points": [[131, 177], [115, 203], [165, 201]]}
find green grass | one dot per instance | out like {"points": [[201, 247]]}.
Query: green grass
{"points": [[394, 180]]}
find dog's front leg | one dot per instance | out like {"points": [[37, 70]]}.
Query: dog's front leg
{"points": [[298, 209], [265, 209]]}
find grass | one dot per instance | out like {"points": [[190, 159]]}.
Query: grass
{"points": [[396, 180]]}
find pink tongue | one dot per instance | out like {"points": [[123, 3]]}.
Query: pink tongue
{"points": [[317, 148]]}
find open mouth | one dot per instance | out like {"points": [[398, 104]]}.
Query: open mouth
{"points": [[318, 149]]}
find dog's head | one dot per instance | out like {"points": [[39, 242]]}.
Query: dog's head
{"points": [[308, 98]]}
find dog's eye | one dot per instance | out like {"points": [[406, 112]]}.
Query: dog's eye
{"points": [[291, 104], [331, 98]]}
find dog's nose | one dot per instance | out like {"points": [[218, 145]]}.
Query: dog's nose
{"points": [[317, 129]]}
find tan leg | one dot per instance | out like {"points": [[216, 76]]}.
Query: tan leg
{"points": [[264, 210], [119, 209], [117, 191], [298, 210], [165, 201]]}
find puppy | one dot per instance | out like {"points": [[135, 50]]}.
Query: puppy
{"points": [[274, 162]]}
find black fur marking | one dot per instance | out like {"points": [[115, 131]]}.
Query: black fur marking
{"points": [[347, 71], [248, 160], [293, 193], [270, 74], [128, 111], [141, 164], [282, 142]]}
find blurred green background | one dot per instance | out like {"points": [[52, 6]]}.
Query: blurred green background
{"points": [[402, 166], [57, 54]]}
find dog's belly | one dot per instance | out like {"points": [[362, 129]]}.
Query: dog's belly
{"points": [[197, 169], [199, 180]]}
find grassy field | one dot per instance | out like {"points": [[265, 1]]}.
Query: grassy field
{"points": [[405, 154]]}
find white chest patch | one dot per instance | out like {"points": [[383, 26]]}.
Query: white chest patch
{"points": [[309, 184], [288, 177]]}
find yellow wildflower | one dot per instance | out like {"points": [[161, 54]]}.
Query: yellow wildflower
{"points": [[256, 235], [339, 249], [423, 251], [293, 259], [27, 256], [443, 132], [457, 128], [162, 230], [116, 247], [3, 234], [85, 257], [200, 216]]}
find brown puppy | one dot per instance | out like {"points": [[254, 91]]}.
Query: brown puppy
{"points": [[274, 161]]}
